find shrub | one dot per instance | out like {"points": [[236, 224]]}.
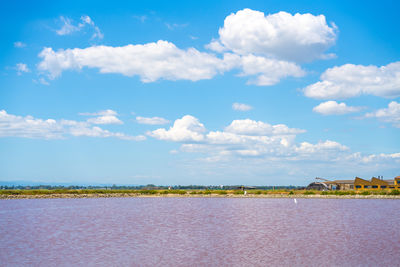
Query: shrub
{"points": [[258, 192], [308, 193], [207, 192], [394, 192], [365, 193], [148, 192], [238, 192], [291, 193]]}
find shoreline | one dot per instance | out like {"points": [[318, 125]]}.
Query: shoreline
{"points": [[134, 195]]}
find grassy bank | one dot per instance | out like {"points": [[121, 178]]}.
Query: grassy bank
{"points": [[21, 193]]}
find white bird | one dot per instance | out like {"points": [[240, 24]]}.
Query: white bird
{"points": [[295, 201]]}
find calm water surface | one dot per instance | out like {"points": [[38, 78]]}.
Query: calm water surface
{"points": [[199, 232]]}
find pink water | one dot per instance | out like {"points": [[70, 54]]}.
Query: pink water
{"points": [[199, 232]]}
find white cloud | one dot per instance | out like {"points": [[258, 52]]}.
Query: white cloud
{"points": [[241, 107], [163, 60], [68, 27], [19, 44], [268, 71], [105, 120], [264, 48], [11, 125], [103, 117], [173, 26], [186, 129], [152, 61], [152, 120], [43, 81], [391, 114], [299, 37], [245, 138], [30, 127], [335, 108], [251, 127], [246, 149], [22, 67], [353, 80], [308, 148]]}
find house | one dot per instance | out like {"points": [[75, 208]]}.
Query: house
{"points": [[359, 184]]}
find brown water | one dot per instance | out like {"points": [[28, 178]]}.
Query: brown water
{"points": [[199, 232]]}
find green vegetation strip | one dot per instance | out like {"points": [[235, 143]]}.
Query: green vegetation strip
{"points": [[191, 192]]}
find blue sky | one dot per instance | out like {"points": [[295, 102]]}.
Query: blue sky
{"points": [[255, 92]]}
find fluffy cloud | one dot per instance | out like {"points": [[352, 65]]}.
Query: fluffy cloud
{"points": [[68, 27], [186, 129], [152, 120], [268, 71], [299, 37], [241, 107], [11, 125], [391, 114], [22, 67], [251, 127], [103, 117], [30, 127], [353, 80], [152, 61], [308, 148], [265, 48], [245, 138], [335, 108]]}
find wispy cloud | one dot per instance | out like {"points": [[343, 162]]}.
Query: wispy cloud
{"points": [[19, 44], [152, 120], [30, 127], [21, 68], [173, 26], [241, 107], [85, 21], [141, 18]]}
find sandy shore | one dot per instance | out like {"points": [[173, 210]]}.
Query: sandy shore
{"points": [[122, 195]]}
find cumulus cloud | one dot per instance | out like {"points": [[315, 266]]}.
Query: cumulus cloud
{"points": [[268, 71], [186, 129], [353, 80], [152, 61], [68, 27], [30, 127], [335, 108], [152, 120], [251, 127], [245, 138], [306, 147], [163, 60], [299, 37], [391, 114], [264, 48], [21, 67], [241, 107]]}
